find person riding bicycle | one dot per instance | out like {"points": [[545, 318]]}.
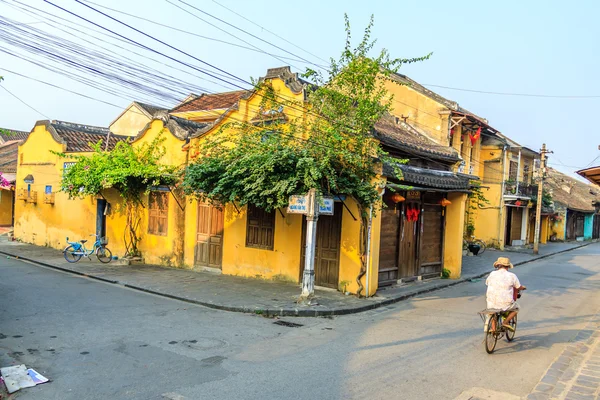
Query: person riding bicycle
{"points": [[501, 285]]}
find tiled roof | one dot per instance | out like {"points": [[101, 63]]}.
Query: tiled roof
{"points": [[10, 134], [422, 177], [80, 138], [404, 137], [181, 128], [149, 108], [291, 79], [206, 102], [570, 192], [9, 153]]}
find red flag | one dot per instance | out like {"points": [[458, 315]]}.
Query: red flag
{"points": [[476, 136]]}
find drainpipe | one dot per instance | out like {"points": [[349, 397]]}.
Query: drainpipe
{"points": [[368, 266], [500, 215], [518, 169], [368, 255]]}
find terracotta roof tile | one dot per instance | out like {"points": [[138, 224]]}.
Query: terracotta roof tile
{"points": [[8, 156], [10, 134], [81, 138], [208, 102], [404, 137], [570, 192]]}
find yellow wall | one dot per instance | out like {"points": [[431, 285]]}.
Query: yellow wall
{"points": [[6, 199], [453, 243], [130, 123], [421, 111]]}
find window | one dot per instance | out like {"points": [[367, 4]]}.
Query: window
{"points": [[513, 170], [48, 189], [158, 213], [526, 174], [260, 228]]}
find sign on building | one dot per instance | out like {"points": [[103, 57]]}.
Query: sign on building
{"points": [[299, 205]]}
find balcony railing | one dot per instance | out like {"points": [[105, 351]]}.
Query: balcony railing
{"points": [[523, 189]]}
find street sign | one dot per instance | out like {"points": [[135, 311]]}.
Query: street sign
{"points": [[297, 205], [326, 206]]}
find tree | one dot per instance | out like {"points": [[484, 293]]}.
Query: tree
{"points": [[331, 148], [130, 170]]}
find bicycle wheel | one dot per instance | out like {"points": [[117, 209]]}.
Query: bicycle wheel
{"points": [[491, 335], [510, 336], [70, 255], [104, 254], [481, 245]]}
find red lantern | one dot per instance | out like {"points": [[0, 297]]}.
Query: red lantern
{"points": [[518, 203]]}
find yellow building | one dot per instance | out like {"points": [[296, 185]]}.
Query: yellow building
{"points": [[420, 238], [499, 166], [9, 147]]}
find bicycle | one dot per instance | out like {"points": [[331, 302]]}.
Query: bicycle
{"points": [[76, 250], [494, 330], [474, 242]]}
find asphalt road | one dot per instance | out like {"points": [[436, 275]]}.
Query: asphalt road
{"points": [[101, 341]]}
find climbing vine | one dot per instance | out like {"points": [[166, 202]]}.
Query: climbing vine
{"points": [[130, 170], [327, 146]]}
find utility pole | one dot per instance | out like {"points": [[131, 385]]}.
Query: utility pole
{"points": [[538, 208], [312, 215]]}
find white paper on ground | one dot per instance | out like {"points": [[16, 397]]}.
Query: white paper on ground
{"points": [[16, 377], [36, 376]]}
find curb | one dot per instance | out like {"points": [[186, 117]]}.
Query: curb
{"points": [[296, 312]]}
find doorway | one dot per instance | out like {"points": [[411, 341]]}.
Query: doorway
{"points": [[514, 225], [327, 251], [101, 205], [209, 237]]}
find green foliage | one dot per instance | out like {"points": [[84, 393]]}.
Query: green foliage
{"points": [[546, 199], [446, 273], [129, 170], [329, 148]]}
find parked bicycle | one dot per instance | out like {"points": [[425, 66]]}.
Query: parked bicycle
{"points": [[493, 328], [472, 245], [76, 250]]}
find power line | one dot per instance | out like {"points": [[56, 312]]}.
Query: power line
{"points": [[516, 94], [189, 32], [271, 32], [15, 96], [246, 32]]}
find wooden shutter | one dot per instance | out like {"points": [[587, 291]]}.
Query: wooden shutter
{"points": [[158, 213], [260, 228]]}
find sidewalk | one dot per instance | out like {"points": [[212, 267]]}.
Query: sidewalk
{"points": [[575, 374], [263, 297]]}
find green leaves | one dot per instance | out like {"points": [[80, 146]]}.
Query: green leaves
{"points": [[129, 170]]}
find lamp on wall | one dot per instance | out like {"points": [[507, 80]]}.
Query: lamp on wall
{"points": [[28, 179], [445, 202]]}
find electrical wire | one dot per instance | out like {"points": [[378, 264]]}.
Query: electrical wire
{"points": [[515, 94], [15, 96]]}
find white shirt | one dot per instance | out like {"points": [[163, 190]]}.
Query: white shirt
{"points": [[500, 285]]}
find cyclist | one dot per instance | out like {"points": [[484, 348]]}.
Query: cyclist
{"points": [[501, 285]]}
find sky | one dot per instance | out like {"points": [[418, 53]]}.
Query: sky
{"points": [[541, 48]]}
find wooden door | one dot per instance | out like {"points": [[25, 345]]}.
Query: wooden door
{"points": [[579, 224], [516, 222], [209, 237], [407, 257], [388, 248], [101, 217], [596, 229], [327, 251], [431, 241]]}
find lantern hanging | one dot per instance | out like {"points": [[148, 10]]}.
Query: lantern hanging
{"points": [[518, 203], [397, 198], [445, 202]]}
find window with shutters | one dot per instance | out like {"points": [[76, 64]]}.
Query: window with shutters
{"points": [[513, 171], [158, 213], [260, 229], [526, 173]]}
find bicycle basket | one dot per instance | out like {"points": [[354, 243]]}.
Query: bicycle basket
{"points": [[104, 241]]}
